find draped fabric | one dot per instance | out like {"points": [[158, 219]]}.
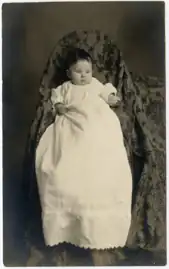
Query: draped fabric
{"points": [[141, 113]]}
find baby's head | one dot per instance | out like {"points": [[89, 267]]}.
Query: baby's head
{"points": [[79, 67]]}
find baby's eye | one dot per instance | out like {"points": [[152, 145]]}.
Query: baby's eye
{"points": [[78, 71], [88, 71]]}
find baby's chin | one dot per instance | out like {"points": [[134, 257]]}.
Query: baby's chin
{"points": [[84, 82]]}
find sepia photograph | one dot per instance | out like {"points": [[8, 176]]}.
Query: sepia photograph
{"points": [[84, 133]]}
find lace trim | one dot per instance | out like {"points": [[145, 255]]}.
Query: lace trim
{"points": [[111, 246], [92, 232]]}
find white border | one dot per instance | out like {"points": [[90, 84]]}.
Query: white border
{"points": [[167, 113]]}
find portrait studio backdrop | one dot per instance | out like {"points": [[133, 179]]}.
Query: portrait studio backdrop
{"points": [[30, 32]]}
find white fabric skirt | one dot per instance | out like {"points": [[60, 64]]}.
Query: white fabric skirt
{"points": [[84, 179]]}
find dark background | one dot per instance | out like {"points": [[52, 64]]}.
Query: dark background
{"points": [[30, 31]]}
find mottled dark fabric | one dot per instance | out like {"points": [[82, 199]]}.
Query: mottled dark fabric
{"points": [[142, 116]]}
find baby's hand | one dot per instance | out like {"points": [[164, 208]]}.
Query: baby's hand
{"points": [[61, 109], [113, 100]]}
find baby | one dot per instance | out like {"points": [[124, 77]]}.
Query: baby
{"points": [[83, 174], [79, 72]]}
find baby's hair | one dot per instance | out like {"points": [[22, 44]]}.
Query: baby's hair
{"points": [[75, 55]]}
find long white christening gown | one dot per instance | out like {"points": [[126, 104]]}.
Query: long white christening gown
{"points": [[83, 173]]}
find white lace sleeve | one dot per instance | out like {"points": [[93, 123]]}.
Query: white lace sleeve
{"points": [[106, 90], [56, 95]]}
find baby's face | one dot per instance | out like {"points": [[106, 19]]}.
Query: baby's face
{"points": [[81, 72]]}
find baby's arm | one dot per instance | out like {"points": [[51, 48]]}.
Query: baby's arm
{"points": [[57, 101], [60, 108], [109, 94], [113, 99]]}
